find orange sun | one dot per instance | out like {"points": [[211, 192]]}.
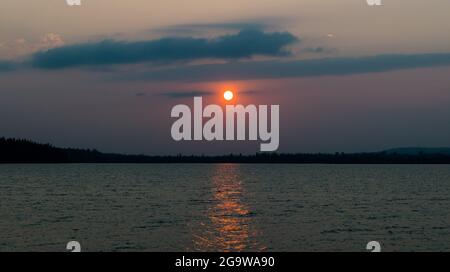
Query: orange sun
{"points": [[228, 95]]}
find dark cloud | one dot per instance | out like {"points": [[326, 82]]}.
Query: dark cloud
{"points": [[180, 94], [198, 28], [245, 44], [6, 66], [318, 50], [300, 68]]}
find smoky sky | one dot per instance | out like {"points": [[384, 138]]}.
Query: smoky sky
{"points": [[347, 76], [245, 44], [299, 68]]}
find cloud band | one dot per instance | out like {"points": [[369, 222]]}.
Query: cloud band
{"points": [[245, 44]]}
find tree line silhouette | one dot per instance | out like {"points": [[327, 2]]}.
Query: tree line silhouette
{"points": [[25, 151]]}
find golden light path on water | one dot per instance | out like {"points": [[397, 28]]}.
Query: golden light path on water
{"points": [[229, 226]]}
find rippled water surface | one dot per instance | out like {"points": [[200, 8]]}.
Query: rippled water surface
{"points": [[224, 207]]}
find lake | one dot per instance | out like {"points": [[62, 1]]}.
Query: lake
{"points": [[224, 207]]}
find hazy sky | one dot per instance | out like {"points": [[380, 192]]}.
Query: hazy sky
{"points": [[348, 77]]}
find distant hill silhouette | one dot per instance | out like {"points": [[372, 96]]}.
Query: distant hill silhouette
{"points": [[25, 151], [419, 151]]}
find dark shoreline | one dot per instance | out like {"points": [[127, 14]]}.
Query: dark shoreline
{"points": [[13, 151]]}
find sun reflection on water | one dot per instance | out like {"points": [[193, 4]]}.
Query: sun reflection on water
{"points": [[229, 226]]}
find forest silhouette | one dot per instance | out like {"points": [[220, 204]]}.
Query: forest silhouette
{"points": [[25, 151]]}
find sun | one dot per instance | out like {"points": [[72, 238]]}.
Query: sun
{"points": [[228, 95]]}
